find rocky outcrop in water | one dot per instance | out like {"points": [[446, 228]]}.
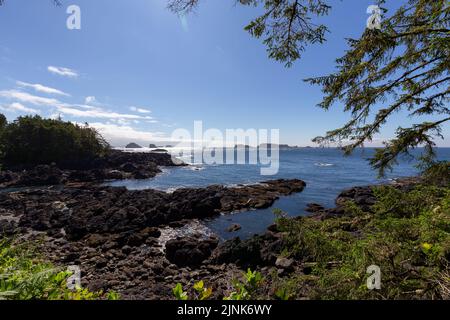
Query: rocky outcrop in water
{"points": [[133, 145]]}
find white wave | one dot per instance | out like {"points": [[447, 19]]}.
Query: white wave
{"points": [[172, 189], [194, 227], [323, 164], [196, 168]]}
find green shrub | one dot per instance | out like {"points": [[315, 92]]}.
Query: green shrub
{"points": [[242, 290], [438, 173], [33, 140], [25, 276], [407, 235]]}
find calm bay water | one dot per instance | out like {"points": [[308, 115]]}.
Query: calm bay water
{"points": [[326, 172]]}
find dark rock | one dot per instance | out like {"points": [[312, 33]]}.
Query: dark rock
{"points": [[314, 207], [129, 167], [190, 251], [115, 165], [260, 250], [126, 249], [41, 175], [234, 228]]}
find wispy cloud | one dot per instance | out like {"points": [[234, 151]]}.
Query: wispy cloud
{"points": [[18, 107], [65, 72], [86, 111], [41, 88], [123, 133], [140, 110], [99, 113], [29, 98]]}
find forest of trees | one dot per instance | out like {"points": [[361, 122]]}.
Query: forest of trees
{"points": [[33, 140]]}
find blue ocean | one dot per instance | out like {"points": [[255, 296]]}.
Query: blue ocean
{"points": [[326, 172]]}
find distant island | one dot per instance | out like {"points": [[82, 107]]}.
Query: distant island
{"points": [[133, 145]]}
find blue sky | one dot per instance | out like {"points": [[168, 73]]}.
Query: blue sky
{"points": [[136, 71]]}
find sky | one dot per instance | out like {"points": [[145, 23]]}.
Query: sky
{"points": [[136, 71]]}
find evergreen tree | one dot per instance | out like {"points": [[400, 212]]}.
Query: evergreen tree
{"points": [[403, 66]]}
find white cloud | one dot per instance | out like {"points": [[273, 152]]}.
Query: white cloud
{"points": [[18, 107], [98, 113], [82, 111], [121, 134], [29, 98], [65, 72], [140, 110], [41, 88]]}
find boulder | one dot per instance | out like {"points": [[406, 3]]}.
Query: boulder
{"points": [[260, 250], [190, 251], [284, 263], [234, 228]]}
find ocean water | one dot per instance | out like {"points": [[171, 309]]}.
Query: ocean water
{"points": [[326, 172]]}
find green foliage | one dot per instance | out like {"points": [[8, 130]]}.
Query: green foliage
{"points": [[179, 293], [25, 276], [242, 290], [407, 235], [437, 173], [203, 292], [3, 122], [286, 27], [246, 290], [403, 66], [34, 140]]}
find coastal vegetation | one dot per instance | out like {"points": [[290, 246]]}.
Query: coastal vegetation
{"points": [[32, 140], [26, 275], [405, 233]]}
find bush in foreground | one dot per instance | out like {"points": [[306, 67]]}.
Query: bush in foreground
{"points": [[26, 276], [407, 235]]}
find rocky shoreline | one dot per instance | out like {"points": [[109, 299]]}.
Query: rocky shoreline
{"points": [[119, 239], [117, 165], [115, 235]]}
